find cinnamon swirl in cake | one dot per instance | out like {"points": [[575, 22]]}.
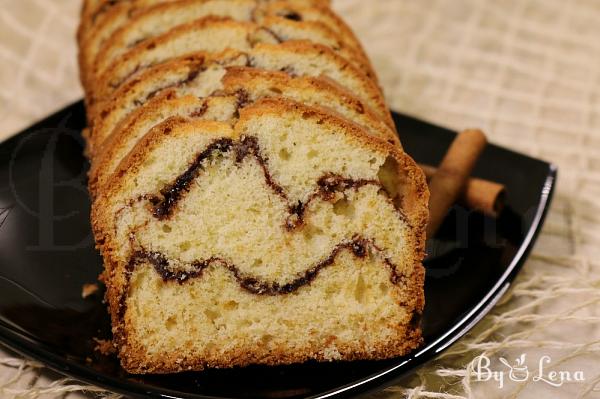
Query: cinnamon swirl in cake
{"points": [[290, 236], [250, 196]]}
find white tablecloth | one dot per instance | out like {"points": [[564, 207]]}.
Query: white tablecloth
{"points": [[525, 71]]}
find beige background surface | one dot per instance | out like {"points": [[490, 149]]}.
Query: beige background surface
{"points": [[526, 71]]}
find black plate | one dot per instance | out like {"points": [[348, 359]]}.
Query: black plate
{"points": [[47, 254]]}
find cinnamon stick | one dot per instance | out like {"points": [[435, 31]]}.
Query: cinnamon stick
{"points": [[452, 175], [479, 194]]}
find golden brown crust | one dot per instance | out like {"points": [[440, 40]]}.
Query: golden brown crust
{"points": [[133, 356]]}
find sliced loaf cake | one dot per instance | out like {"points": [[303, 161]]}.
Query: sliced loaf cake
{"points": [[292, 236], [251, 200]]}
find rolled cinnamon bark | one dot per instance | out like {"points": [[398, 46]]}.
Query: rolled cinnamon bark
{"points": [[479, 194], [451, 177]]}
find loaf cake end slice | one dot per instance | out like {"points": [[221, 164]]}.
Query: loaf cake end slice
{"points": [[292, 235]]}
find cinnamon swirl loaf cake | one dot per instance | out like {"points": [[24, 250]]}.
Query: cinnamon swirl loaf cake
{"points": [[251, 199]]}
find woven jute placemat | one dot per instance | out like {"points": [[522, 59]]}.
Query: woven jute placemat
{"points": [[525, 71]]}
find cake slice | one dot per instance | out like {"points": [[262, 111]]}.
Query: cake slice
{"points": [[160, 19], [97, 24], [100, 19], [279, 16], [292, 236], [296, 58], [212, 34], [240, 86], [286, 29], [128, 133], [200, 72], [317, 11]]}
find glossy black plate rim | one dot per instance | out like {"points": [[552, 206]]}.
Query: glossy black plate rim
{"points": [[29, 347]]}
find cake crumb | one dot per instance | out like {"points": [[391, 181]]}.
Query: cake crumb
{"points": [[105, 347], [331, 353], [89, 289]]}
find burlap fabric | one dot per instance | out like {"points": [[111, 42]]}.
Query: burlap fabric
{"points": [[525, 71]]}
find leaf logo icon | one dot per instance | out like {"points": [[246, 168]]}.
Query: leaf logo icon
{"points": [[519, 372]]}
